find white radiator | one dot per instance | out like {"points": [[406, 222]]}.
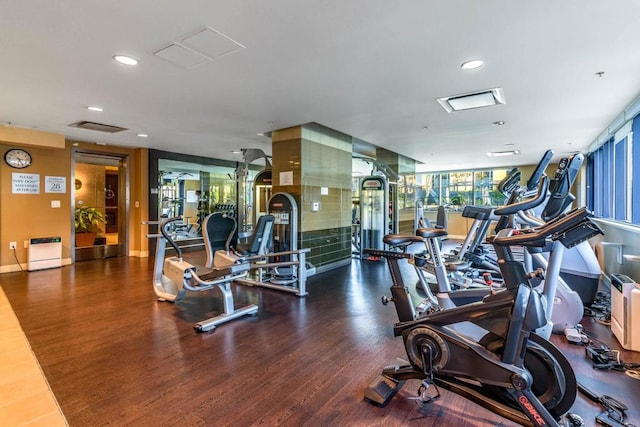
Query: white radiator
{"points": [[44, 252], [625, 311]]}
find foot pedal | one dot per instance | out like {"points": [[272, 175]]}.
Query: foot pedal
{"points": [[382, 390]]}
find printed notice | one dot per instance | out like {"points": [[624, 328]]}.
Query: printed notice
{"points": [[55, 184], [286, 178], [25, 183]]}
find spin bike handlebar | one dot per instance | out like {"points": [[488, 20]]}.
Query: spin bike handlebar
{"points": [[527, 204]]}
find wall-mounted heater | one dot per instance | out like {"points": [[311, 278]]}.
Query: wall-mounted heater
{"points": [[44, 252]]}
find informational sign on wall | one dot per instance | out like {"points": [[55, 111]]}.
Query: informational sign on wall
{"points": [[286, 178], [25, 183], [55, 184], [192, 197]]}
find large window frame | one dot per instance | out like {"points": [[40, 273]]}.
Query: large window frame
{"points": [[611, 193], [460, 188]]}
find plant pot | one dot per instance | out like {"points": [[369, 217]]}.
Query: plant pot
{"points": [[85, 239]]}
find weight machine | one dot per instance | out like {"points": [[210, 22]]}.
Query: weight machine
{"points": [[272, 250], [173, 276]]}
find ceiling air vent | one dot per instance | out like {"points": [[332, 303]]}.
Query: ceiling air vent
{"points": [[97, 126], [484, 98]]}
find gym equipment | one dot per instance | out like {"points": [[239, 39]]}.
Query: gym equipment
{"points": [[173, 276], [251, 199], [511, 370], [377, 205], [563, 306], [374, 218], [580, 268], [271, 249], [625, 311], [575, 277], [285, 235]]}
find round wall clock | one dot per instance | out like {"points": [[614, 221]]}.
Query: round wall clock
{"points": [[18, 158]]}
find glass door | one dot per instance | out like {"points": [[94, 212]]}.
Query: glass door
{"points": [[99, 206]]}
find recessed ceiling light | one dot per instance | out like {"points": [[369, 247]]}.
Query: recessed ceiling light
{"points": [[503, 153], [126, 60], [498, 123], [236, 152], [92, 108], [472, 64], [143, 135]]}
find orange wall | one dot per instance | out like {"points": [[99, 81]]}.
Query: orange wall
{"points": [[23, 216]]}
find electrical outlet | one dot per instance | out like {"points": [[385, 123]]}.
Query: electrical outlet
{"points": [[12, 245]]}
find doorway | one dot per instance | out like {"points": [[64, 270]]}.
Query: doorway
{"points": [[100, 183]]}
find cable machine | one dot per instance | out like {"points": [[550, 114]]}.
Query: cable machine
{"points": [[378, 205], [251, 200]]}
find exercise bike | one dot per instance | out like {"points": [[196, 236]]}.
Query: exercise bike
{"points": [[564, 303], [510, 370]]}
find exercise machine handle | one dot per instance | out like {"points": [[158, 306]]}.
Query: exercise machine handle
{"points": [[537, 174], [528, 203], [166, 235]]}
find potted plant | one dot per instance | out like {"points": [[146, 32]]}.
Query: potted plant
{"points": [[86, 221]]}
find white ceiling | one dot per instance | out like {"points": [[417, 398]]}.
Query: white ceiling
{"points": [[369, 68]]}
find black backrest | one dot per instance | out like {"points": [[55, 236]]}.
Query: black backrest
{"points": [[261, 232], [219, 231], [441, 218]]}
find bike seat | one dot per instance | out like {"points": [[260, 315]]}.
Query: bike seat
{"points": [[429, 233], [401, 239]]}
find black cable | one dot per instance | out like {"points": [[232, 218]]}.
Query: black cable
{"points": [[15, 255]]}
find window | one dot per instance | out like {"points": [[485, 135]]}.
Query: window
{"points": [[611, 176], [462, 188]]}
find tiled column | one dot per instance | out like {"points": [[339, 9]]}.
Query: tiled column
{"points": [[313, 164]]}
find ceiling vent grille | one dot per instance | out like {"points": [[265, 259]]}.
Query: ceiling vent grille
{"points": [[467, 101], [97, 126]]}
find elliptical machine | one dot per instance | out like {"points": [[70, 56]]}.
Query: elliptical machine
{"points": [[510, 370]]}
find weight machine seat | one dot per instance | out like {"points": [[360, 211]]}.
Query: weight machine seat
{"points": [[219, 231], [219, 272], [260, 237]]}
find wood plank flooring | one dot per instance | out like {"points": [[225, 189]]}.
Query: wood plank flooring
{"points": [[114, 355]]}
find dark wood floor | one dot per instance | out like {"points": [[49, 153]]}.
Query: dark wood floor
{"points": [[113, 355]]}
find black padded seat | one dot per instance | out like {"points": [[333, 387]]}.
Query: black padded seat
{"points": [[401, 239], [260, 237], [429, 233]]}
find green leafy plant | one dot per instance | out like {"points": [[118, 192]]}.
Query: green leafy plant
{"points": [[86, 218]]}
